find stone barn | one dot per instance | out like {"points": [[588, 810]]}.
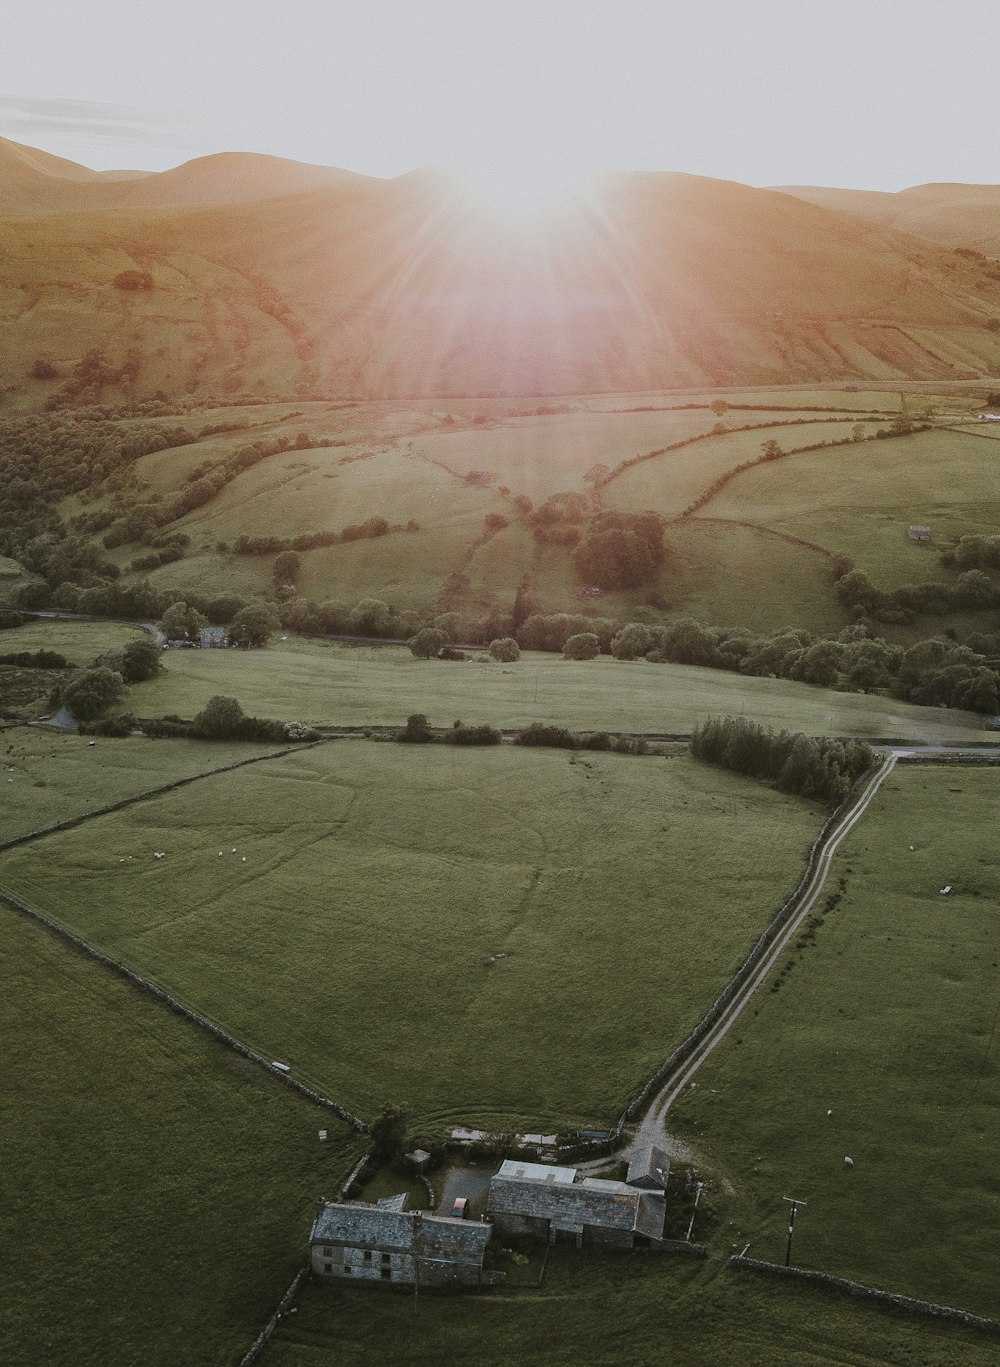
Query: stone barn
{"points": [[386, 1242], [549, 1203]]}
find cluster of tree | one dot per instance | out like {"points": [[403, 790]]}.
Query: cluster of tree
{"points": [[559, 519], [223, 718], [561, 738], [621, 550], [823, 769], [36, 659], [943, 673], [973, 591], [253, 624], [973, 553], [418, 732]]}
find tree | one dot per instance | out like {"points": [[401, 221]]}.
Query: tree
{"points": [[220, 719], [92, 692], [388, 1135], [583, 646], [505, 649], [632, 641], [181, 623], [718, 407], [615, 559], [858, 432], [418, 729], [427, 643], [253, 625], [286, 569], [140, 660], [770, 449]]}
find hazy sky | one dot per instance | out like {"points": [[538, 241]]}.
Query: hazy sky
{"points": [[871, 93]]}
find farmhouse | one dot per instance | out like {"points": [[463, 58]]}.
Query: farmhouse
{"points": [[212, 638], [919, 533], [549, 1203], [386, 1242]]}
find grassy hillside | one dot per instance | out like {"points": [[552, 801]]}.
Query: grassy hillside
{"points": [[473, 933], [880, 1046], [161, 1187], [953, 214], [409, 287]]}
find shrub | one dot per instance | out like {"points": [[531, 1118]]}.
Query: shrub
{"points": [[417, 731], [474, 735], [542, 733], [505, 649], [583, 646], [92, 692], [427, 643], [451, 653]]}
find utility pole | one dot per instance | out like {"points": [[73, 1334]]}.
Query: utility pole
{"points": [[794, 1202]]}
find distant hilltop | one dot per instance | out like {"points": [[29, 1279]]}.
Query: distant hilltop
{"points": [[241, 275]]}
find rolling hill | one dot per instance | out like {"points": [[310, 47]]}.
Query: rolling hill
{"points": [[953, 214], [238, 275]]}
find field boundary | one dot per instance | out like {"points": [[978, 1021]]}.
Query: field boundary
{"points": [[180, 1008], [862, 1291], [73, 821], [260, 1342]]}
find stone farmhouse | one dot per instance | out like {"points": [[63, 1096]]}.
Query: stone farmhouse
{"points": [[386, 1242], [550, 1203]]}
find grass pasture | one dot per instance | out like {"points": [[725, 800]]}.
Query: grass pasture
{"points": [[80, 642], [159, 1187], [860, 499], [48, 776], [492, 936], [881, 1045], [315, 681], [620, 1312]]}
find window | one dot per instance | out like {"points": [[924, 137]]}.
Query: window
{"points": [[386, 1257], [348, 1269], [327, 1252], [328, 1267], [368, 1255], [387, 1274]]}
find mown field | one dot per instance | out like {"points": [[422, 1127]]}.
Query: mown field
{"points": [[620, 1312], [158, 1189], [493, 936], [310, 680], [880, 1045]]}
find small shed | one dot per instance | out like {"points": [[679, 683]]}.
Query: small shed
{"points": [[919, 533], [418, 1160], [649, 1168]]}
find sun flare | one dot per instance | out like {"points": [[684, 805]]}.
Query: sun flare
{"points": [[518, 191]]}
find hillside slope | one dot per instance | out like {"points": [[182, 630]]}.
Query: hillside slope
{"points": [[955, 215], [410, 287]]}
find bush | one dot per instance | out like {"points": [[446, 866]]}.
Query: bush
{"points": [[418, 731], [427, 643], [542, 733], [451, 653], [505, 649], [583, 646], [473, 735], [92, 692]]}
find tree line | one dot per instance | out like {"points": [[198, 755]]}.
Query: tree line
{"points": [[823, 769]]}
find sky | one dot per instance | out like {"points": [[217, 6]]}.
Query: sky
{"points": [[874, 94]]}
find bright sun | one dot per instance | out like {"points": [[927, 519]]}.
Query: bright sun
{"points": [[519, 189]]}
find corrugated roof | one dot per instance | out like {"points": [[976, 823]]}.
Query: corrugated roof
{"points": [[535, 1172]]}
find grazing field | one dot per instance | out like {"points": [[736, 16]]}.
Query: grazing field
{"points": [[80, 642], [498, 935], [880, 1046], [860, 499], [620, 1312], [158, 1187], [48, 776], [315, 681]]}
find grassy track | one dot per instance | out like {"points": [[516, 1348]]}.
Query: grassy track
{"points": [[620, 1312], [356, 940], [315, 681], [159, 1188], [889, 1021]]}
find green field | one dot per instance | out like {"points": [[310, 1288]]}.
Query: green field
{"points": [[158, 1188], [485, 935], [620, 1312], [860, 499], [80, 642], [48, 776], [889, 1021], [314, 681]]}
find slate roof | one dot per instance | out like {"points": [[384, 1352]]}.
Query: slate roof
{"points": [[649, 1167], [571, 1205], [358, 1225]]}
